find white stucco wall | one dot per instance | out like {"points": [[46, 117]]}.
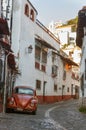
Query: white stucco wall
{"points": [[68, 80], [23, 36]]}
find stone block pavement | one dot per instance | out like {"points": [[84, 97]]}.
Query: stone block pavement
{"points": [[65, 114]]}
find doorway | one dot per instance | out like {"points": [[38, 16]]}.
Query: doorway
{"points": [[63, 86], [71, 90], [44, 89]]}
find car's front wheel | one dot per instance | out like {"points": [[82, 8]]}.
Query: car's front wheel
{"points": [[8, 110], [34, 112]]}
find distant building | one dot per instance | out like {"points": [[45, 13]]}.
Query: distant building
{"points": [[67, 37]]}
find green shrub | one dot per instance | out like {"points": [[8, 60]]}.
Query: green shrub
{"points": [[82, 109]]}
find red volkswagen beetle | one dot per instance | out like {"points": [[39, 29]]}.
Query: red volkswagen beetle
{"points": [[23, 99]]}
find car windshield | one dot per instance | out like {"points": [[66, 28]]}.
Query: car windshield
{"points": [[24, 91]]}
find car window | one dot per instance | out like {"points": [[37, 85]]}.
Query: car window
{"points": [[24, 91]]}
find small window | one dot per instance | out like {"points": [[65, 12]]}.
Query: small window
{"points": [[32, 15], [44, 56], [54, 70], [71, 38], [55, 87], [37, 53], [68, 89], [26, 10], [38, 84], [53, 57]]}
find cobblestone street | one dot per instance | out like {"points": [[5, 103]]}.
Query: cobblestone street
{"points": [[58, 116]]}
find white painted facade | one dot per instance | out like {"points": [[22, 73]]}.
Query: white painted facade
{"points": [[68, 45], [67, 37], [25, 31], [23, 35]]}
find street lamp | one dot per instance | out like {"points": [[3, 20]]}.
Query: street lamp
{"points": [[30, 48]]}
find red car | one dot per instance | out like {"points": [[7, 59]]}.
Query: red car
{"points": [[23, 99]]}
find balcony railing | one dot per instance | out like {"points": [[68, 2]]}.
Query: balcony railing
{"points": [[47, 30]]}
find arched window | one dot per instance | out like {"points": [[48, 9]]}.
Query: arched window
{"points": [[32, 15], [26, 10]]}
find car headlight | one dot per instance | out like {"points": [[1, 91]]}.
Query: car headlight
{"points": [[11, 101], [32, 103]]}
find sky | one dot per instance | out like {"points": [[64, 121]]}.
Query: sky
{"points": [[57, 10]]}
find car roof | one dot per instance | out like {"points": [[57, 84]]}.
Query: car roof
{"points": [[24, 87]]}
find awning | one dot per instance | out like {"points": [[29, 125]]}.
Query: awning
{"points": [[67, 60], [43, 42], [5, 45], [11, 61], [4, 27]]}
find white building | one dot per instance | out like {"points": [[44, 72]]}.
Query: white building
{"points": [[67, 36], [39, 63], [36, 67]]}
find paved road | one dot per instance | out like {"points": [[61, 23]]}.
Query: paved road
{"points": [[58, 116], [69, 116]]}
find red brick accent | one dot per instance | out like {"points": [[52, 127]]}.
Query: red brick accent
{"points": [[53, 99], [43, 68], [37, 65]]}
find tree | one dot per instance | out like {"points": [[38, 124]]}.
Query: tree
{"points": [[72, 21]]}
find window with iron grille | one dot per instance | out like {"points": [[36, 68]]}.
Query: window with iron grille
{"points": [[37, 53], [54, 70], [53, 57], [40, 56], [44, 56]]}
